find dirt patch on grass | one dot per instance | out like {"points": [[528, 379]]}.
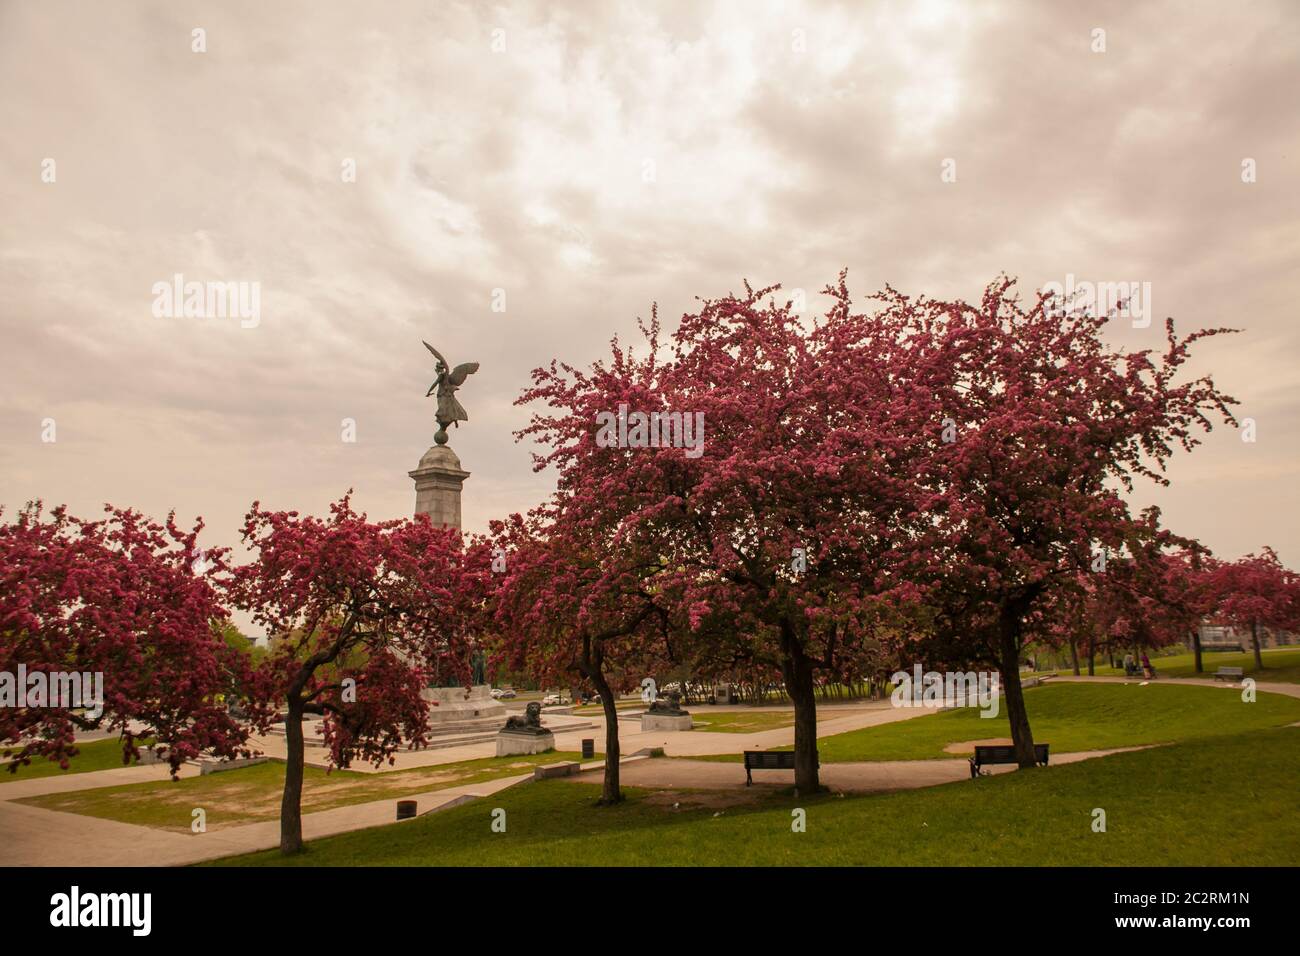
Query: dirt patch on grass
{"points": [[246, 796]]}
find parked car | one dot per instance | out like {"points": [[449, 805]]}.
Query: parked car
{"points": [[551, 700], [503, 693]]}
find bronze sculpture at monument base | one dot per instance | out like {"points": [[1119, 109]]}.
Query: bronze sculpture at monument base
{"points": [[666, 713], [525, 735]]}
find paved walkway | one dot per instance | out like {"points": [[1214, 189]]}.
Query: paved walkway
{"points": [[91, 780], [31, 836], [883, 776]]}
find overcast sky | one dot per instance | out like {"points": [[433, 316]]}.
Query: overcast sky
{"points": [[590, 159]]}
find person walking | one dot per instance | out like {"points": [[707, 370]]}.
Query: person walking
{"points": [[1147, 668]]}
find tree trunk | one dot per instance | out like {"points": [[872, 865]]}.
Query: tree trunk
{"points": [[610, 793], [591, 665], [1074, 654], [798, 672], [1092, 658], [1196, 649], [1017, 716], [291, 803], [1254, 640]]}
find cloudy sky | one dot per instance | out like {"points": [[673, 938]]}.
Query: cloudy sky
{"points": [[588, 159]]}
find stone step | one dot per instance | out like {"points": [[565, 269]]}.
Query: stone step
{"points": [[566, 768]]}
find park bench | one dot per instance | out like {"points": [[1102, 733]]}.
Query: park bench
{"points": [[768, 760], [1002, 754], [1229, 673]]}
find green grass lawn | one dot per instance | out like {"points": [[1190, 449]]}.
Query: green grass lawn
{"points": [[740, 721], [1069, 717], [253, 793], [1227, 800], [96, 755], [1281, 664]]}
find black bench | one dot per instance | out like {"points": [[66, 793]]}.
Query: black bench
{"points": [[768, 760], [1003, 754], [1229, 673]]}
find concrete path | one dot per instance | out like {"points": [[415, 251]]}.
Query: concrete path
{"points": [[882, 776], [31, 836], [91, 780]]}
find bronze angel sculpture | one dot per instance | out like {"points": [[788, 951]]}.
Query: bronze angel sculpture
{"points": [[449, 379]]}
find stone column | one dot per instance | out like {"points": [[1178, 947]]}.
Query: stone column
{"points": [[438, 480], [452, 710]]}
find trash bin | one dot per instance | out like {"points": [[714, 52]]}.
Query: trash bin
{"points": [[588, 748]]}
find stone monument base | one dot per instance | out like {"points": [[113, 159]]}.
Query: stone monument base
{"points": [[665, 722], [509, 744], [454, 705]]}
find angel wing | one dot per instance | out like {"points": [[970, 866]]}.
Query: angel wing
{"points": [[462, 372], [436, 353]]}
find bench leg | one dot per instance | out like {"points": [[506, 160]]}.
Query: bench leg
{"points": [[749, 777]]}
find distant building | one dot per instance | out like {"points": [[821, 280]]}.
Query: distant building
{"points": [[1222, 637]]}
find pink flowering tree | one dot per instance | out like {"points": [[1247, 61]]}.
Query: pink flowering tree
{"points": [[780, 509], [1042, 426], [1257, 591], [131, 601], [575, 602], [928, 475], [359, 612], [1153, 595]]}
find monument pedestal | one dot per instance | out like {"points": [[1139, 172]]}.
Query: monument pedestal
{"points": [[438, 481], [455, 705], [509, 744], [665, 722]]}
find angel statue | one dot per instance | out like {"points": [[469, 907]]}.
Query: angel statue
{"points": [[449, 379]]}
